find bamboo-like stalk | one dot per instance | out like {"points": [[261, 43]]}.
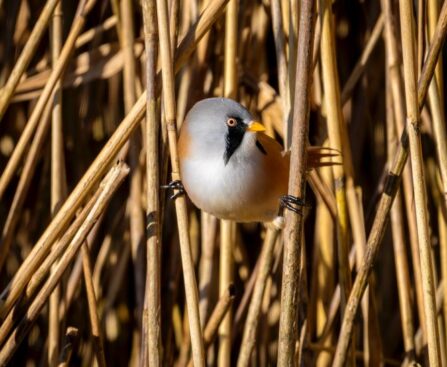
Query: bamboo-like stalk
{"points": [[413, 128], [58, 184], [110, 183], [334, 122], [394, 76], [25, 57], [218, 314], [92, 307], [98, 167], [400, 256], [192, 296], [89, 35], [71, 338], [228, 228], [297, 178], [249, 339], [75, 31], [152, 311], [386, 200], [135, 209], [432, 18]]}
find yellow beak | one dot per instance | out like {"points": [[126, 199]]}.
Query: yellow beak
{"points": [[255, 126]]}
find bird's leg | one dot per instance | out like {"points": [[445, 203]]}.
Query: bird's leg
{"points": [[174, 185], [292, 203]]}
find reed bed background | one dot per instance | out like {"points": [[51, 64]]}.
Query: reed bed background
{"points": [[99, 266]]}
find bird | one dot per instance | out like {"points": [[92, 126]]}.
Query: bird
{"points": [[229, 167]]}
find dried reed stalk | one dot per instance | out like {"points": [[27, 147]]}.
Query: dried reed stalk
{"points": [[249, 339], [33, 122], [192, 296], [152, 305], [58, 182], [109, 185], [420, 200], [228, 228], [101, 163], [92, 307], [293, 221], [25, 57], [386, 200]]}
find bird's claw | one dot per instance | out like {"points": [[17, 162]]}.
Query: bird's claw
{"points": [[174, 185], [292, 203]]}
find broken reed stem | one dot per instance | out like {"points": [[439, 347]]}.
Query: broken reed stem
{"points": [[58, 183], [297, 178], [92, 307], [334, 122], [218, 314], [71, 339], [26, 56], [99, 166], [192, 294], [227, 227], [249, 339], [386, 200], [33, 121], [152, 346], [420, 200], [108, 187]]}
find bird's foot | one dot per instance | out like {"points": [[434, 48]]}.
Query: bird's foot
{"points": [[292, 203], [175, 186]]}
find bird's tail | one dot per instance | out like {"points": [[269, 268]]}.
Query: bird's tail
{"points": [[322, 157]]}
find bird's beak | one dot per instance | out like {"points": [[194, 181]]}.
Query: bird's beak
{"points": [[255, 126]]}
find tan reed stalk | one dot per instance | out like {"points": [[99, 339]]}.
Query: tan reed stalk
{"points": [[89, 35], [421, 19], [192, 296], [98, 167], [152, 304], [394, 75], [432, 19], [360, 66], [334, 122], [92, 307], [400, 256], [420, 200], [136, 217], [26, 56], [440, 136], [14, 161], [293, 221], [209, 228], [227, 238], [41, 273], [281, 60], [58, 183], [387, 197], [228, 228], [218, 314], [7, 235], [249, 339], [323, 274], [109, 185]]}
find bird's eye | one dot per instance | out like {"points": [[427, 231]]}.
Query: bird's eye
{"points": [[231, 122]]}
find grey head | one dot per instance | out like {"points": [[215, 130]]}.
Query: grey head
{"points": [[218, 126]]}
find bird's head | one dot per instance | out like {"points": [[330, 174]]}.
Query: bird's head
{"points": [[221, 126]]}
